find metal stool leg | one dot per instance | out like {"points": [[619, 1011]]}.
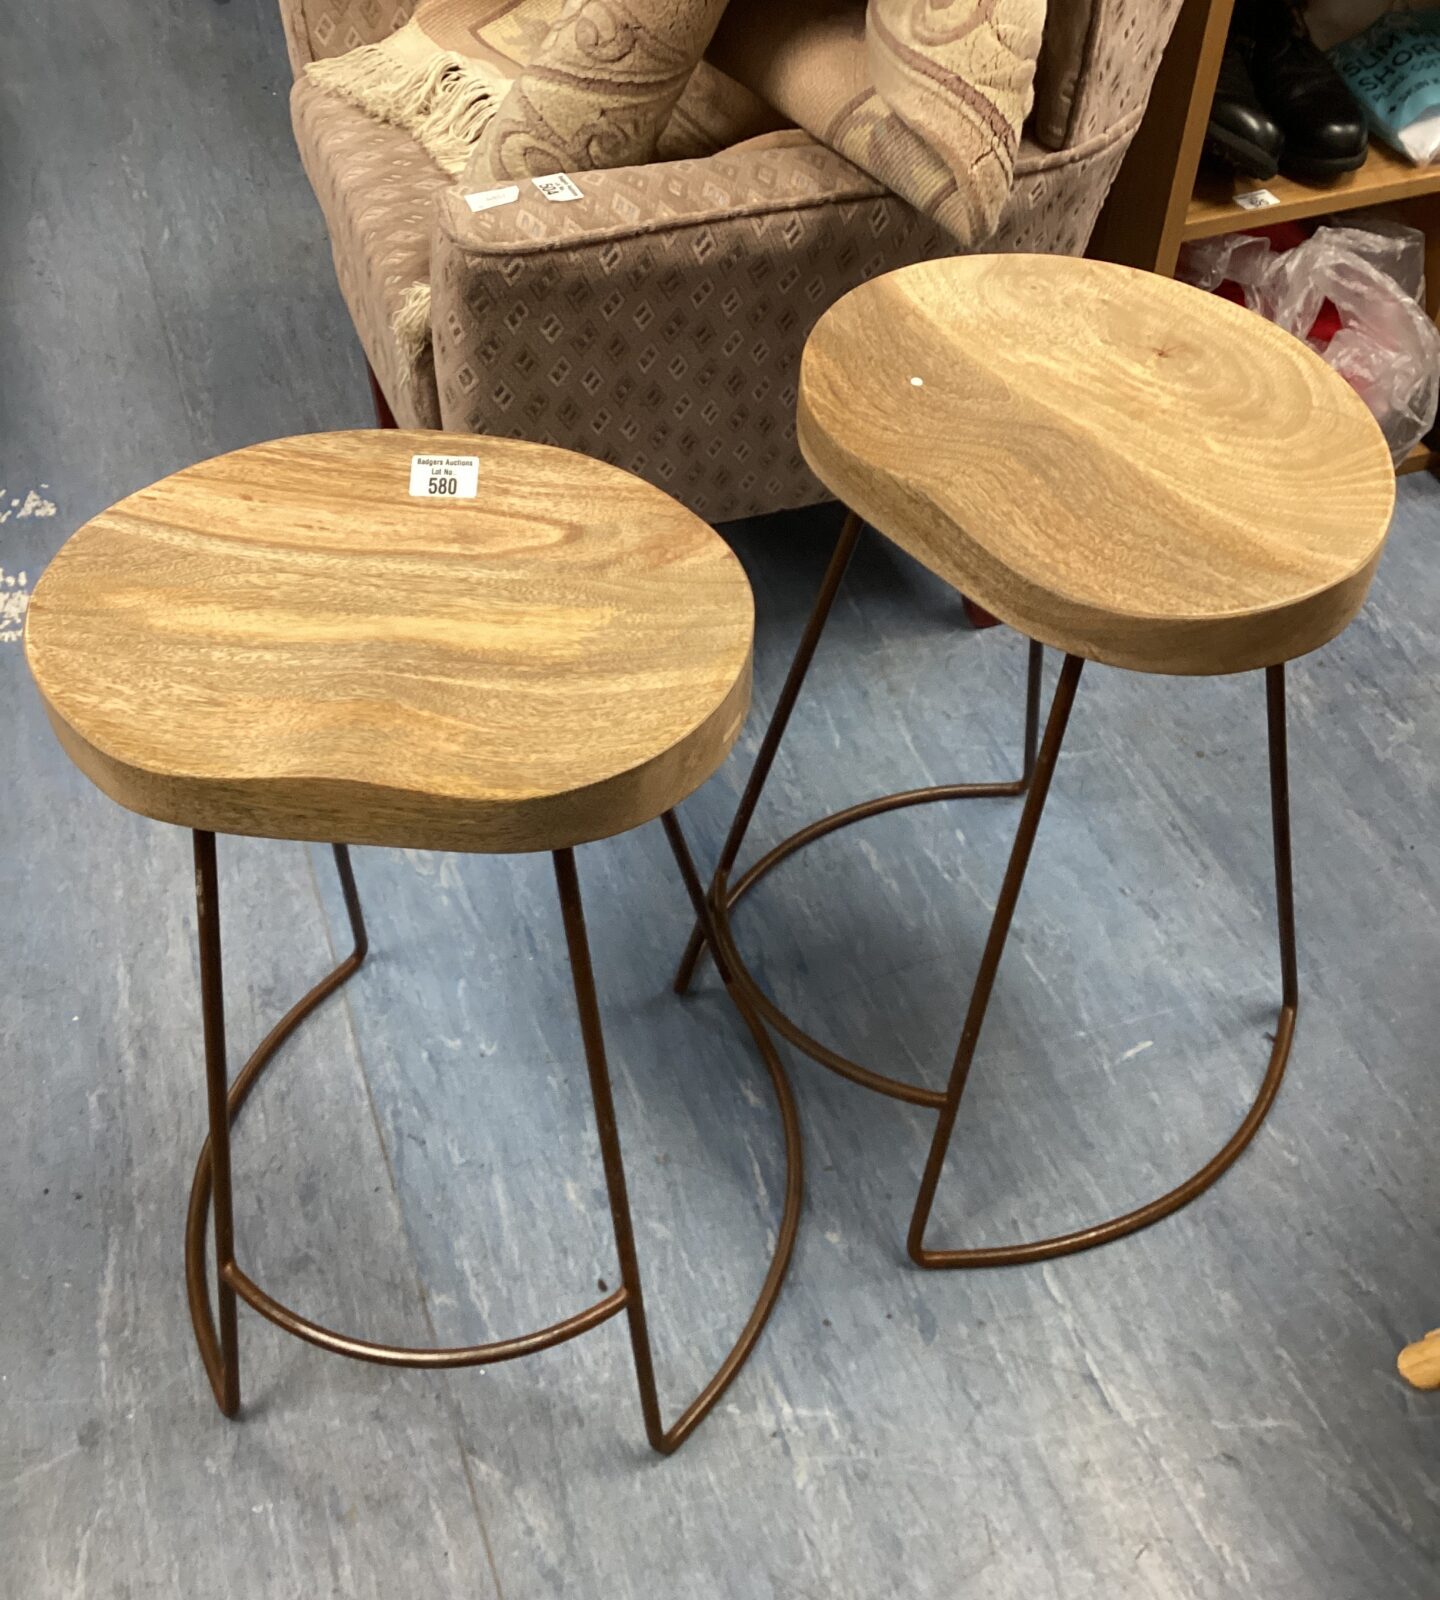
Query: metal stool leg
{"points": [[221, 1356], [572, 910], [1280, 823], [1197, 1183], [1030, 816], [219, 1351], [568, 883], [770, 744], [212, 1174]]}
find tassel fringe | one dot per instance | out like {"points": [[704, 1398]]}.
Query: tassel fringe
{"points": [[411, 327], [444, 102]]}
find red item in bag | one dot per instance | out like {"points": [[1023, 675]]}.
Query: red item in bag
{"points": [[1283, 236]]}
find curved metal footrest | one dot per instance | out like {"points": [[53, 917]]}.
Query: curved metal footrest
{"points": [[1064, 1244], [234, 1282], [399, 1355], [291, 1321], [724, 899], [721, 939]]}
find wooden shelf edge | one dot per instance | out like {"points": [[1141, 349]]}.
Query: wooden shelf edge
{"points": [[1384, 179], [1421, 457]]}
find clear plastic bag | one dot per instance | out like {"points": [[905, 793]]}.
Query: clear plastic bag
{"points": [[1387, 348], [1372, 270], [1239, 258], [1395, 249]]}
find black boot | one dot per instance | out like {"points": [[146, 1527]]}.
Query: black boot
{"points": [[1325, 132], [1241, 134]]}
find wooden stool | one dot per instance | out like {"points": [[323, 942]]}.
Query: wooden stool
{"points": [[1116, 465], [284, 642], [1419, 1363]]}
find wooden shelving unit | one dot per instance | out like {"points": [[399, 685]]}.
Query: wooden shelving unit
{"points": [[1385, 179], [1162, 198]]}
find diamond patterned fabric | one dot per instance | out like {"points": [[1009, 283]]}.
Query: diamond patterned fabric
{"points": [[657, 322]]}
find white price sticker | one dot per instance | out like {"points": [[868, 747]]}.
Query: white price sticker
{"points": [[484, 199], [1257, 200], [558, 186], [445, 477]]}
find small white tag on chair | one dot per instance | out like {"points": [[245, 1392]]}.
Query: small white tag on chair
{"points": [[558, 186], [445, 477], [483, 199]]}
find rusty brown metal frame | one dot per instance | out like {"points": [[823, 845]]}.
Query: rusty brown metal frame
{"points": [[219, 1350], [1034, 785]]}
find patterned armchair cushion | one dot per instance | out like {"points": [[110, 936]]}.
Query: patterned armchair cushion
{"points": [[1097, 61], [1096, 57], [657, 322]]}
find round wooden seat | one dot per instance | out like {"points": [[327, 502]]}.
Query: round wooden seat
{"points": [[1116, 464], [283, 641]]}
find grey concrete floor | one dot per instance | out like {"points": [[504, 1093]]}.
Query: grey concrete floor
{"points": [[1209, 1409]]}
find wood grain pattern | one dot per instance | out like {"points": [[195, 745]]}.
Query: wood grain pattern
{"points": [[1113, 463], [282, 641]]}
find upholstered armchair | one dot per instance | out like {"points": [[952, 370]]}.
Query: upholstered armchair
{"points": [[657, 321]]}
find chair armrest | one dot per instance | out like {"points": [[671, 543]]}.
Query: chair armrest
{"points": [[774, 174], [657, 321]]}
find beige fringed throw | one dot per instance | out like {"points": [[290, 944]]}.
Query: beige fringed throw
{"points": [[441, 76], [500, 89], [928, 96]]}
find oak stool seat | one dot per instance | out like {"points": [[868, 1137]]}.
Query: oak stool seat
{"points": [[1105, 459], [283, 641]]}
